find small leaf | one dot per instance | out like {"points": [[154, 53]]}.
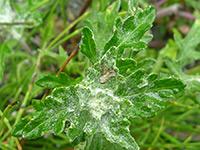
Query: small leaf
{"points": [[187, 52], [53, 81], [89, 47], [129, 33], [192, 81]]}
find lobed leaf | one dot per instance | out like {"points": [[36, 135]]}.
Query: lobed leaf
{"points": [[147, 94], [187, 52], [192, 81], [112, 91], [52, 81]]}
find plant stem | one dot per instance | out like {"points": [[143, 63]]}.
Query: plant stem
{"points": [[181, 145], [170, 138], [186, 15], [192, 70], [6, 146], [160, 3], [122, 13], [168, 11], [158, 134], [75, 51], [18, 144], [4, 121], [18, 23], [83, 9], [6, 110], [36, 69], [145, 136], [37, 6], [66, 30], [21, 110], [66, 38]]}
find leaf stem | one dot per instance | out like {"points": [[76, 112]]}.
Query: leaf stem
{"points": [[6, 110], [21, 110], [75, 51]]}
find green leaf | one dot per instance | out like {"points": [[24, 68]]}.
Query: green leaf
{"points": [[52, 81], [129, 33], [187, 52], [115, 130], [89, 108], [101, 105], [147, 93], [113, 135], [18, 129], [3, 49], [52, 116], [101, 24], [24, 14], [185, 55], [169, 50], [98, 142], [146, 64], [89, 47], [192, 81], [111, 13]]}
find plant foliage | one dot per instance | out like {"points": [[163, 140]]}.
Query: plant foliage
{"points": [[112, 90], [186, 55]]}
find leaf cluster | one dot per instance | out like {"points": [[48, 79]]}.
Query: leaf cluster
{"points": [[114, 88]]}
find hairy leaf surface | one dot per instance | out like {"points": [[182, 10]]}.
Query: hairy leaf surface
{"points": [[113, 89]]}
